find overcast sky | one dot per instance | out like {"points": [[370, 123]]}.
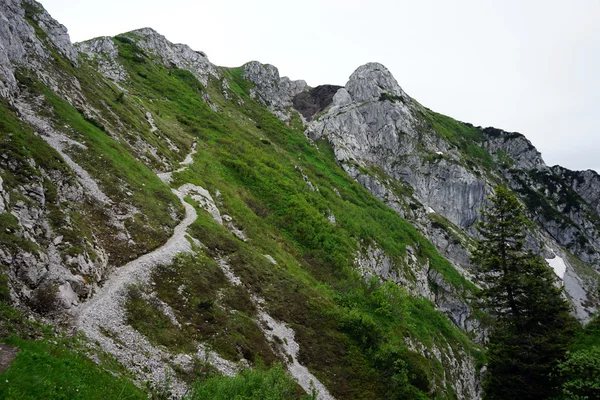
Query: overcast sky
{"points": [[526, 66]]}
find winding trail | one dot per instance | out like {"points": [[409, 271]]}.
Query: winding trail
{"points": [[103, 320]]}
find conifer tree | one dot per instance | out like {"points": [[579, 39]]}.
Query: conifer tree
{"points": [[532, 325]]}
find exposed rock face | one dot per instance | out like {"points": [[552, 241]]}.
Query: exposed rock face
{"points": [[104, 50], [372, 261], [585, 183], [372, 122], [19, 44], [370, 81], [569, 218], [69, 268], [521, 153], [462, 374], [178, 55], [272, 91], [44, 262], [57, 33]]}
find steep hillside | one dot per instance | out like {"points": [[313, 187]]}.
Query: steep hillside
{"points": [[392, 145], [190, 222]]}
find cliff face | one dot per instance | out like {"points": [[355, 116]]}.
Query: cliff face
{"points": [[449, 168], [138, 181]]}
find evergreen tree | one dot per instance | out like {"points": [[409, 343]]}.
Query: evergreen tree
{"points": [[532, 325]]}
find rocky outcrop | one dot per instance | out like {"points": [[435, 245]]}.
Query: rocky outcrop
{"points": [[585, 183], [105, 52], [373, 122], [372, 81], [461, 374], [272, 91], [513, 149], [46, 262], [21, 46], [372, 261], [174, 55]]}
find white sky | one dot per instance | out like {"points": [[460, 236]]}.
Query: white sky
{"points": [[528, 66]]}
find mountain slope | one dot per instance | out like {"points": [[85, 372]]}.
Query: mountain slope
{"points": [[292, 256]]}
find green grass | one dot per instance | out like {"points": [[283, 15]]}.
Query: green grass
{"points": [[213, 310], [49, 369], [250, 156], [588, 337], [123, 178], [250, 384], [49, 366], [467, 138]]}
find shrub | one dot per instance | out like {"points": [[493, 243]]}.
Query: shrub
{"points": [[44, 299], [274, 384]]}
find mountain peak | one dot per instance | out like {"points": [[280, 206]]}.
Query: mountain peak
{"points": [[370, 81]]}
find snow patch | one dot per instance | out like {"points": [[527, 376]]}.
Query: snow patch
{"points": [[558, 265]]}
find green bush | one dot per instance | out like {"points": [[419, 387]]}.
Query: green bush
{"points": [[581, 375], [250, 384]]}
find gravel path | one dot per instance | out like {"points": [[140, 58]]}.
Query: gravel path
{"points": [[103, 319]]}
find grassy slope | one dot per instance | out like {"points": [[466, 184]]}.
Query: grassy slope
{"points": [[351, 332], [110, 156], [52, 369]]}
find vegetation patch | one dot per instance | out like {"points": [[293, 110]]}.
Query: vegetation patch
{"points": [[251, 384], [50, 369]]}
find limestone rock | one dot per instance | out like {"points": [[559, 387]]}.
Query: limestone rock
{"points": [[20, 45], [105, 52], [585, 183], [178, 55], [270, 90], [372, 122], [372, 80], [521, 153]]}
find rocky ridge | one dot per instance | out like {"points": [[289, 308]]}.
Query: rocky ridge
{"points": [[271, 90]]}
